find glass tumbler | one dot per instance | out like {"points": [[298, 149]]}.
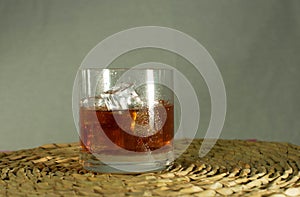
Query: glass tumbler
{"points": [[126, 119]]}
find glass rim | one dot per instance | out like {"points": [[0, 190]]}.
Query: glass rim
{"points": [[126, 69]]}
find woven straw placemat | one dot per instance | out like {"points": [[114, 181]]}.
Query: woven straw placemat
{"points": [[231, 168]]}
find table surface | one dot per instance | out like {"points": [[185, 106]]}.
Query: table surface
{"points": [[231, 168]]}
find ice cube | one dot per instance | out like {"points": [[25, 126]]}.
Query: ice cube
{"points": [[149, 121], [93, 102], [121, 97]]}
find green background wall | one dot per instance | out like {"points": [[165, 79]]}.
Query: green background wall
{"points": [[254, 43]]}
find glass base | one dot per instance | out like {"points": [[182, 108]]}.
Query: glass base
{"points": [[126, 164]]}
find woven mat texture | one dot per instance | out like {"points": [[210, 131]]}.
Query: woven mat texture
{"points": [[231, 168]]}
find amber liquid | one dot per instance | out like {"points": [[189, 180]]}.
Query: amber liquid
{"points": [[138, 130]]}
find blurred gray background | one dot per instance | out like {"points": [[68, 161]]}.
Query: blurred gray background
{"points": [[255, 44]]}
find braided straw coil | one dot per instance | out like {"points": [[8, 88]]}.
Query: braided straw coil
{"points": [[231, 168]]}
